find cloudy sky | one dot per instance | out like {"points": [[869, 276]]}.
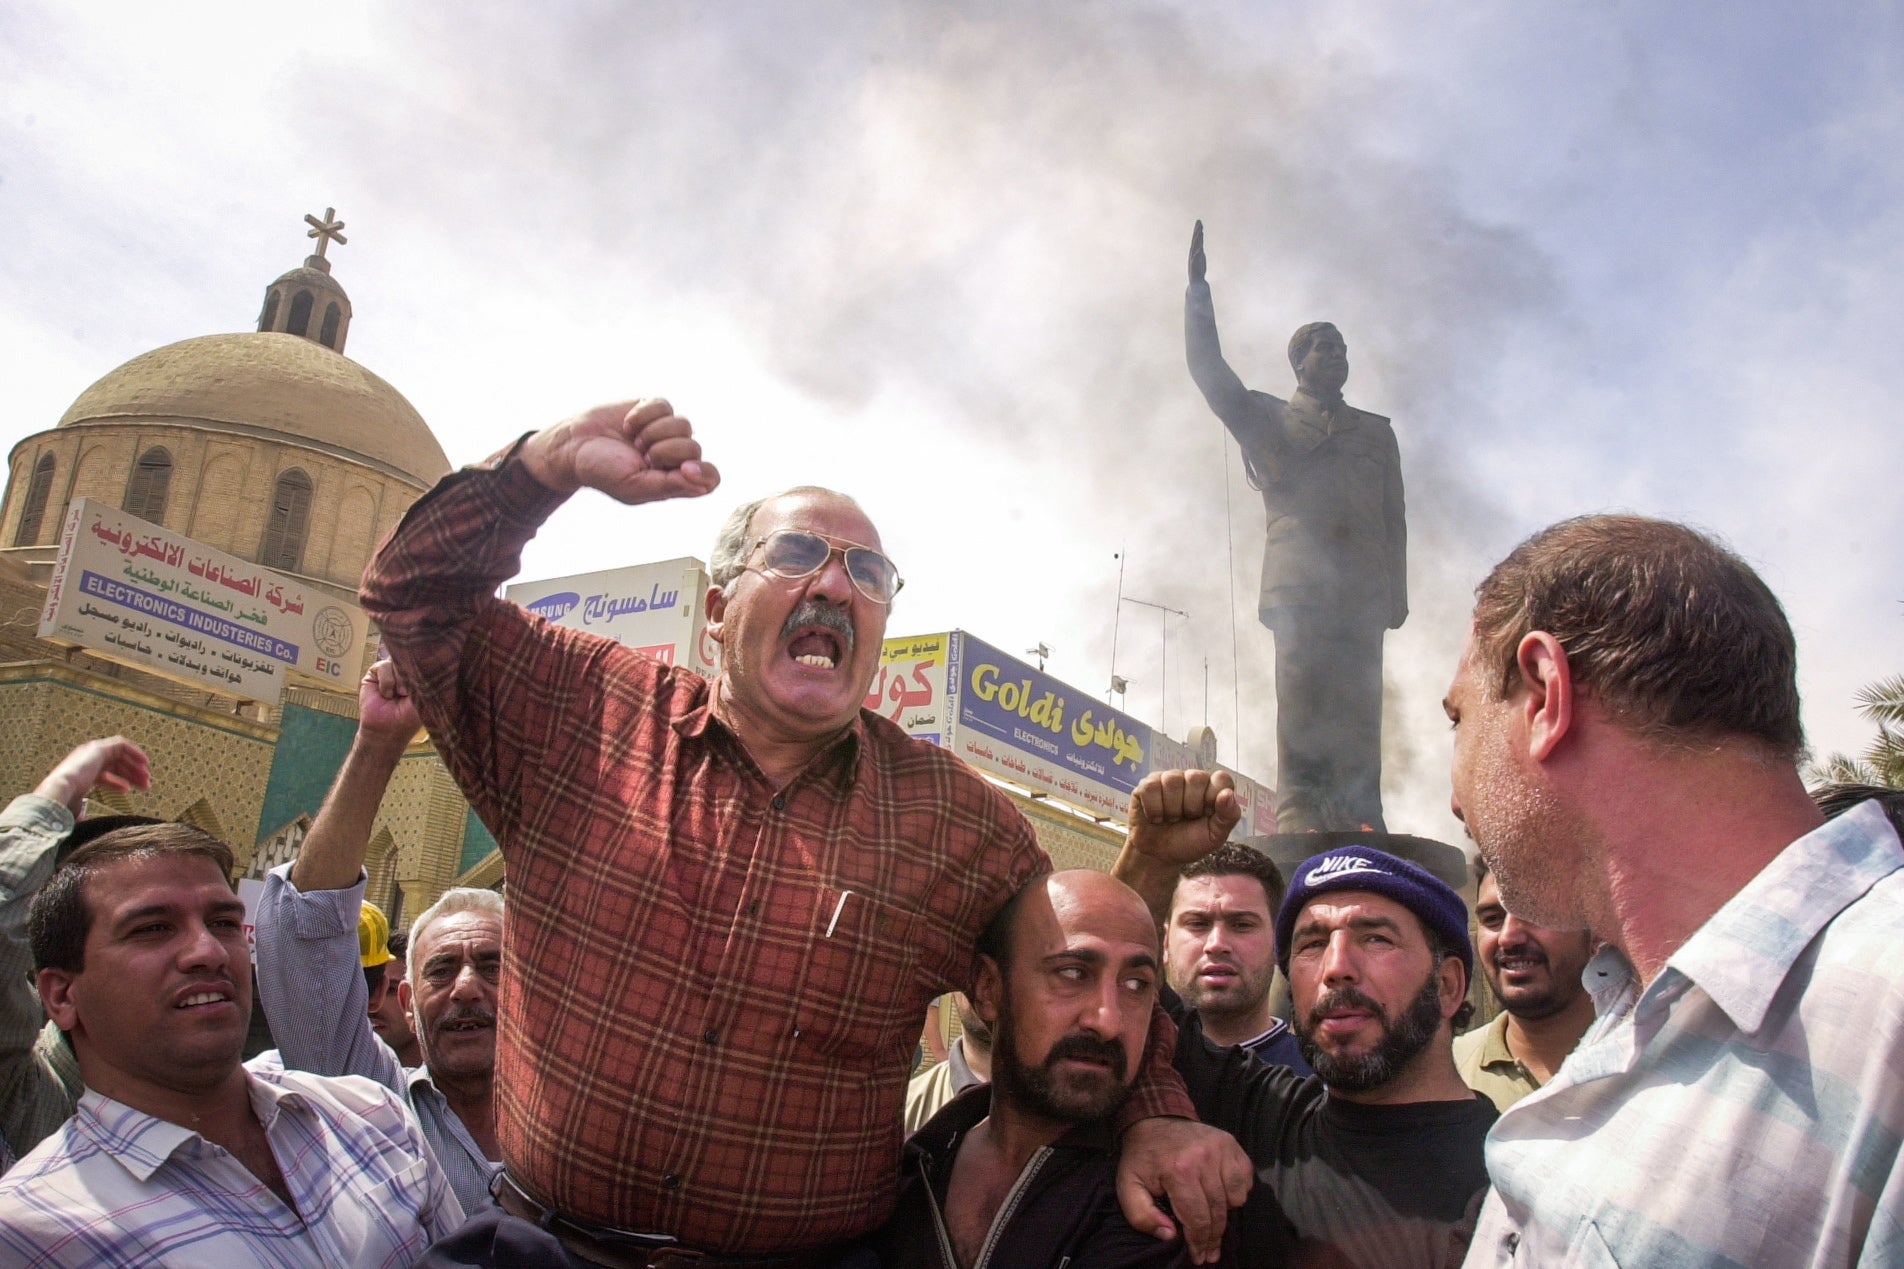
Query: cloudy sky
{"points": [[1587, 256]]}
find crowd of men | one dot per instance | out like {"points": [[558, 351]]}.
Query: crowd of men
{"points": [[686, 1035]]}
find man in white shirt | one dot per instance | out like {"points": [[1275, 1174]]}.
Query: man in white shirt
{"points": [[177, 1154], [1626, 756]]}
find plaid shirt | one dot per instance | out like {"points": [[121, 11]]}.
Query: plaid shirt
{"points": [[115, 1186], [1746, 1107], [712, 988]]}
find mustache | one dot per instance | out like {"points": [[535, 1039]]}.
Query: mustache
{"points": [[1343, 997], [1090, 1049], [466, 1013], [812, 612]]}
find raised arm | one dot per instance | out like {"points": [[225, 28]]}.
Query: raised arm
{"points": [[478, 666], [1176, 818], [33, 1100], [310, 974], [1219, 384]]}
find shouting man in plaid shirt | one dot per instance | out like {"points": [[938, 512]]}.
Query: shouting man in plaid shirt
{"points": [[729, 903]]}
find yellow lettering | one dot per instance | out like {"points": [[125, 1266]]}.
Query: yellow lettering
{"points": [[985, 682]]}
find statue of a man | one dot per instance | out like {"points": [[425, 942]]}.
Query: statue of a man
{"points": [[1335, 574]]}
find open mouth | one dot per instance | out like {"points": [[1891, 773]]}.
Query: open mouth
{"points": [[203, 997], [460, 1025], [816, 647], [1520, 965]]}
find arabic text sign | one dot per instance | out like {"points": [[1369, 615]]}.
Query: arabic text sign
{"points": [[1026, 726], [658, 609], [909, 688], [137, 593]]}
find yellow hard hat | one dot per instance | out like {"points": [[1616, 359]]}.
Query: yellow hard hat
{"points": [[373, 935]]}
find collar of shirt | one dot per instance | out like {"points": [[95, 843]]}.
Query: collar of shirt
{"points": [[142, 1143], [1494, 1050], [840, 758], [1276, 1027], [1742, 955]]}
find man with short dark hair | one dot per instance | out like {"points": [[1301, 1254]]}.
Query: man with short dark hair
{"points": [[39, 1080], [967, 1064], [177, 1154], [389, 1016], [1534, 973], [1625, 757], [1022, 1172], [1220, 951], [1376, 1160]]}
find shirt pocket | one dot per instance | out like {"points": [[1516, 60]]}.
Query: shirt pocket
{"points": [[1589, 1250], [859, 997]]}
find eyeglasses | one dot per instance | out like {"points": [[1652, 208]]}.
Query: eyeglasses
{"points": [[794, 553]]}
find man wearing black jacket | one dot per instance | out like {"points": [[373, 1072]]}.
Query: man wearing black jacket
{"points": [[1376, 1161], [1023, 1172]]}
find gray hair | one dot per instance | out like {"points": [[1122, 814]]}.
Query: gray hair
{"points": [[454, 900], [729, 557]]}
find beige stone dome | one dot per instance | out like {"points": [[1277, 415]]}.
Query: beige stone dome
{"points": [[269, 383]]}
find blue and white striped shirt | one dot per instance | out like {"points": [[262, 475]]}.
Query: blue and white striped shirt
{"points": [[115, 1186], [1747, 1107]]}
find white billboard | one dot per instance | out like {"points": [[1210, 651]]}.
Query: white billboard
{"points": [[659, 609], [142, 595]]}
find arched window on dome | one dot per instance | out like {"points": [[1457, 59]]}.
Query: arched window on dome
{"points": [[270, 314], [300, 320], [283, 545], [38, 490], [328, 335], [151, 481]]}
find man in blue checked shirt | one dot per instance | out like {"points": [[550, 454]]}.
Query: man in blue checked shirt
{"points": [[1626, 758], [177, 1155], [309, 961]]}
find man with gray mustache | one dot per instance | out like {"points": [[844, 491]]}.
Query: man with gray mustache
{"points": [[317, 997], [730, 902]]}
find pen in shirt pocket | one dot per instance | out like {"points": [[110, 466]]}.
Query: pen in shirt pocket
{"points": [[837, 909]]}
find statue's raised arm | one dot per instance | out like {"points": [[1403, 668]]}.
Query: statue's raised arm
{"points": [[1219, 384]]}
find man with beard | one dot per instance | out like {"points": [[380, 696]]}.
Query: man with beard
{"points": [[729, 902], [1220, 951], [1022, 1172], [1626, 749], [967, 1064], [1376, 1160], [1535, 973], [308, 958]]}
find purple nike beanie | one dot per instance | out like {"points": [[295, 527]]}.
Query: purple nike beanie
{"points": [[1434, 903]]}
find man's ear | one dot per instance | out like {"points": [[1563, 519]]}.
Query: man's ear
{"points": [[1451, 985], [716, 611], [1546, 706], [988, 992], [403, 993], [56, 997]]}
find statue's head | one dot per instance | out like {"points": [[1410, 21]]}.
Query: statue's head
{"points": [[1320, 358]]}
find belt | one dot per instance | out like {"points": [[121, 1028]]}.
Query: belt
{"points": [[626, 1249]]}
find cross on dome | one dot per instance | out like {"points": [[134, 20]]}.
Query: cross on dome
{"points": [[326, 231]]}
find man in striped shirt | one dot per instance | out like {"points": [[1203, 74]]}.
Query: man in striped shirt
{"points": [[177, 1154], [1626, 747]]}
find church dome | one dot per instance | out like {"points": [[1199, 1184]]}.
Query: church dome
{"points": [[274, 384]]}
